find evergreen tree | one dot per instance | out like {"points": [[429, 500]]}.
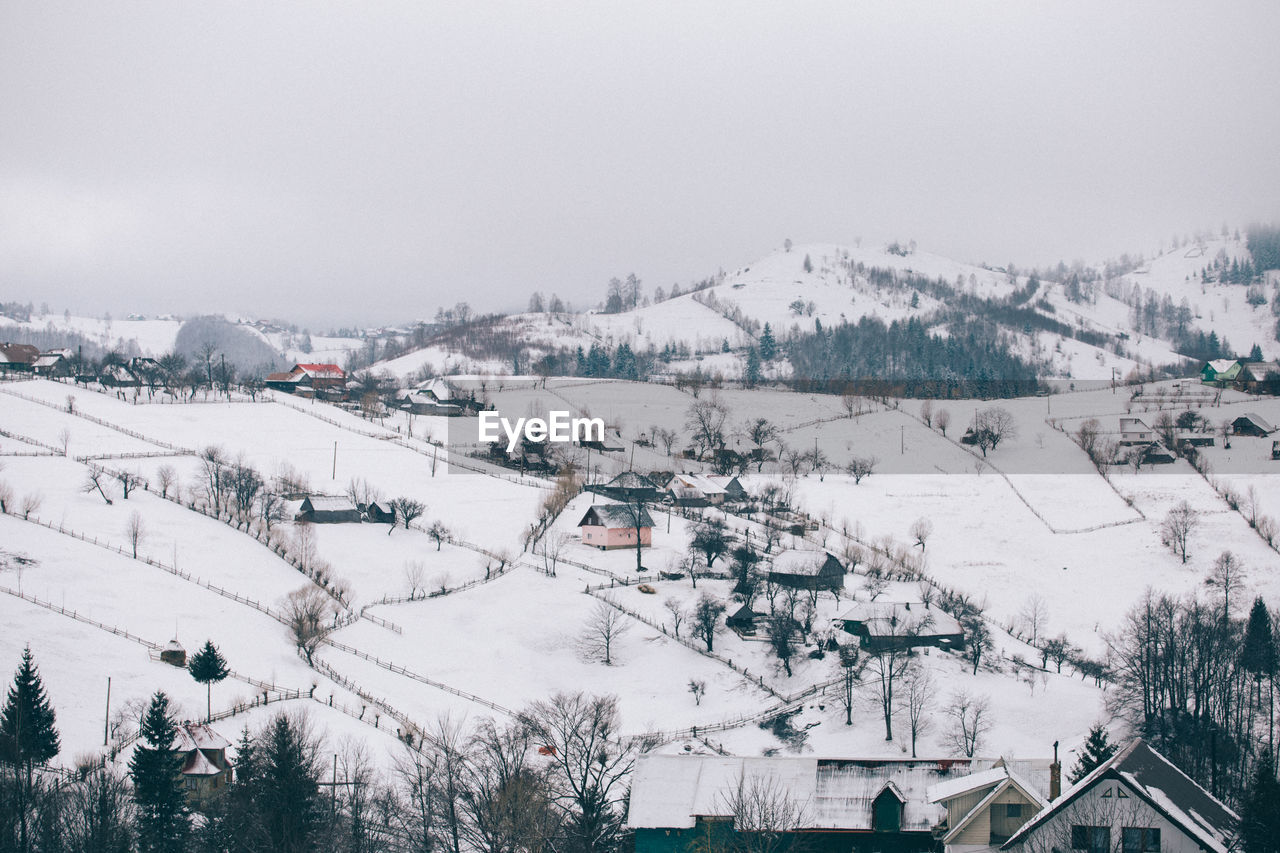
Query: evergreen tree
{"points": [[1097, 749], [27, 738], [157, 782], [285, 790], [1259, 817], [752, 374], [27, 733], [1258, 655], [580, 362], [808, 264], [1255, 354], [768, 346], [208, 667]]}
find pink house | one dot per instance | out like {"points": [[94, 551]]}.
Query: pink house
{"points": [[614, 526]]}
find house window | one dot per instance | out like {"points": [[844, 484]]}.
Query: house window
{"points": [[1013, 810], [1140, 840], [1095, 839]]}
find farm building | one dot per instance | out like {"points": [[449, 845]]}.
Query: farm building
{"points": [[173, 654], [18, 357], [54, 364], [901, 624], [1251, 424], [1137, 800], [378, 512], [1220, 371], [118, 376], [680, 802], [614, 526], [420, 403], [627, 486], [742, 620], [733, 488], [327, 509], [1259, 377], [1156, 453], [807, 570], [205, 768], [695, 490]]}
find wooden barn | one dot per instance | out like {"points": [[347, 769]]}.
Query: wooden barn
{"points": [[612, 526], [742, 621], [18, 357], [807, 570], [1251, 424], [327, 509], [628, 486], [901, 625]]}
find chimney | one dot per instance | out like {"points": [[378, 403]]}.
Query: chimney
{"points": [[1055, 775]]}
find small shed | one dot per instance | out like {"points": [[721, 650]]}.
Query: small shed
{"points": [[378, 512], [1251, 424], [807, 570], [327, 509], [1157, 454], [173, 654], [743, 620], [614, 526]]}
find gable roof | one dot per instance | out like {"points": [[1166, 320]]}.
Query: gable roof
{"points": [[998, 780], [328, 503], [898, 618], [631, 480], [696, 483], [615, 516], [18, 353], [321, 371], [1223, 365], [198, 736], [801, 562], [1164, 787], [1256, 420]]}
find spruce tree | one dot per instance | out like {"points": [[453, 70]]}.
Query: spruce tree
{"points": [[1259, 818], [27, 733], [1258, 654], [157, 782], [768, 346], [208, 667], [27, 738], [286, 792], [752, 375], [1097, 749]]}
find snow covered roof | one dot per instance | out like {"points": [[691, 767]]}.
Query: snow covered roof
{"points": [[1257, 420], [321, 371], [630, 480], [1222, 365], [173, 646], [1132, 424], [197, 765], [328, 503], [198, 736], [49, 359], [696, 482], [1163, 786], [887, 618], [671, 791], [614, 516], [800, 562], [18, 353], [438, 388], [964, 784]]}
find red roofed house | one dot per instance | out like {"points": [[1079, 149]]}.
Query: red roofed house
{"points": [[18, 356], [205, 768], [317, 377]]}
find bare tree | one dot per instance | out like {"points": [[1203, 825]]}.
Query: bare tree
{"points": [[6, 497], [128, 480], [589, 766], [887, 663], [407, 510], [1178, 525], [439, 532], [766, 817], [506, 804], [134, 531], [706, 619], [415, 576], [852, 403], [213, 461], [64, 438], [1034, 613], [676, 608], [417, 818], [166, 478], [244, 486], [304, 544], [665, 437], [31, 503], [1227, 576], [698, 688], [761, 432], [926, 413], [921, 530], [93, 482], [992, 426], [307, 611], [604, 627], [943, 420], [782, 639], [970, 720], [271, 508], [553, 545], [860, 467], [705, 420], [920, 691]]}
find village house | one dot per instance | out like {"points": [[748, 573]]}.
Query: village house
{"points": [[1251, 424], [807, 570], [985, 809], [611, 526], [901, 625], [1220, 372], [205, 768], [328, 509], [55, 364], [419, 403], [118, 376], [695, 490], [324, 380], [1135, 801], [20, 358], [734, 492], [683, 803], [1134, 431], [1259, 377]]}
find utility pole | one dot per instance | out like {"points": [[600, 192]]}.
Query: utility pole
{"points": [[902, 440], [106, 720], [335, 461]]}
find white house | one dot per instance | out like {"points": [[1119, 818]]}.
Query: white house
{"points": [[1136, 802], [1135, 431], [985, 809]]}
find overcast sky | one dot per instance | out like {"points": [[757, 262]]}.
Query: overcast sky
{"points": [[367, 162]]}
